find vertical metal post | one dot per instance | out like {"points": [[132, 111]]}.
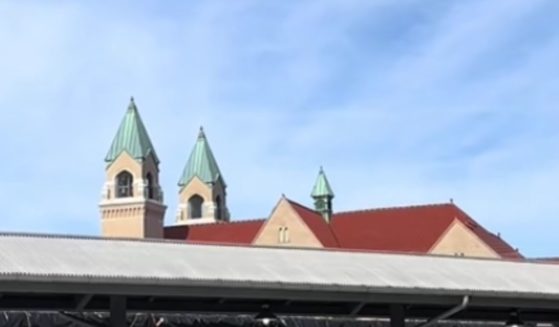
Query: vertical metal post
{"points": [[397, 315], [118, 311]]}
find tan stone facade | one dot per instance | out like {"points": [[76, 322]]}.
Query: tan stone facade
{"points": [[131, 219], [458, 240], [139, 215], [285, 227], [214, 204]]}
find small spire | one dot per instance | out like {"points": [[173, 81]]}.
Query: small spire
{"points": [[131, 137], [132, 105], [322, 187], [322, 194], [201, 163]]}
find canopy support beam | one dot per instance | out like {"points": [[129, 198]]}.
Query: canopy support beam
{"points": [[118, 311], [452, 311], [397, 315]]}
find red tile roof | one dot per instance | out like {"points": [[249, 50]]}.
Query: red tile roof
{"points": [[317, 224], [238, 232], [408, 229], [413, 229]]}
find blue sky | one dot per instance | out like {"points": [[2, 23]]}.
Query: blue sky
{"points": [[402, 102]]}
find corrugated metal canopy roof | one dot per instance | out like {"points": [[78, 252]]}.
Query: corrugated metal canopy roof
{"points": [[164, 263]]}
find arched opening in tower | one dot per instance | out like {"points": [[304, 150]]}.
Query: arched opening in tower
{"points": [[124, 185], [195, 206]]}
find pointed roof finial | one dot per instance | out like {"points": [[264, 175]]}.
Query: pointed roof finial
{"points": [[132, 105], [201, 132], [322, 186]]}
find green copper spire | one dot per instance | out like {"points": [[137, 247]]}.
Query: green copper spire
{"points": [[131, 137], [201, 163], [322, 194], [322, 187]]}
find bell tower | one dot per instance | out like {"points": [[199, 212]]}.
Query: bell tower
{"points": [[132, 200], [202, 190]]}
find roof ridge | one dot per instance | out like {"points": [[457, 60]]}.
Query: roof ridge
{"points": [[318, 216], [429, 205], [235, 222], [86, 237], [478, 225], [249, 220], [302, 206], [479, 228]]}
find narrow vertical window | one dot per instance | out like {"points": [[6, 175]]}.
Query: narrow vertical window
{"points": [[149, 180], [218, 208], [283, 235]]}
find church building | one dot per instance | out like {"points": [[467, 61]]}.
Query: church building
{"points": [[133, 206]]}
